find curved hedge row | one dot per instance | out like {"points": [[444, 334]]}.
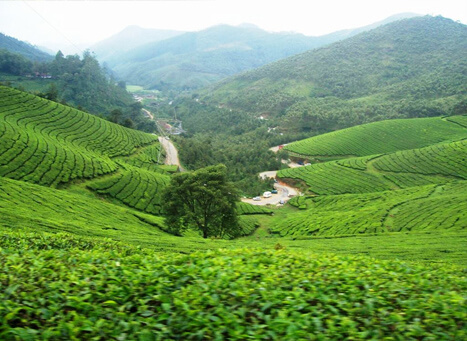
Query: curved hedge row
{"points": [[333, 178]]}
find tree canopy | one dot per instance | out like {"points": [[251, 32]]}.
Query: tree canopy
{"points": [[202, 200]]}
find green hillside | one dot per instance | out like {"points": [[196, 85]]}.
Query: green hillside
{"points": [[24, 49], [380, 137], [195, 59], [409, 190], [410, 68], [435, 164], [434, 208], [47, 143], [375, 249]]}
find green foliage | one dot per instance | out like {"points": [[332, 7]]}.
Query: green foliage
{"points": [[235, 295], [14, 64], [244, 155], [244, 208], [82, 82], [203, 200]]}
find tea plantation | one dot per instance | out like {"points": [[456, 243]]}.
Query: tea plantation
{"points": [[118, 292], [380, 137], [375, 249]]}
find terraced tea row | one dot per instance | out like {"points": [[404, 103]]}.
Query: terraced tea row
{"points": [[435, 207], [332, 178], [68, 125], [47, 143], [244, 208], [448, 159], [25, 206], [381, 137], [134, 187], [28, 157], [436, 164]]}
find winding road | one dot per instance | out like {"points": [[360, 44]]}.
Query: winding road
{"points": [[171, 152]]}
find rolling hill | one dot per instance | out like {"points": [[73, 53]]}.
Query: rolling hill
{"points": [[83, 253], [380, 137], [409, 68], [392, 188], [196, 59], [52, 145], [25, 49]]}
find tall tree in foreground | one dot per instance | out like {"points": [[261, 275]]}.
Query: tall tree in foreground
{"points": [[202, 200]]}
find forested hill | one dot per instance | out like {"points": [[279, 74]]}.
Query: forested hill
{"points": [[26, 50], [410, 68], [196, 59]]}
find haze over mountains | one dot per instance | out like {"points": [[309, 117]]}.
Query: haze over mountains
{"points": [[27, 50], [195, 59], [410, 68]]}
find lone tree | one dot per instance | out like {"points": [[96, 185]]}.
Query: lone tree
{"points": [[203, 200]]}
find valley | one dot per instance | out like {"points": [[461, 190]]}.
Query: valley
{"points": [[354, 227]]}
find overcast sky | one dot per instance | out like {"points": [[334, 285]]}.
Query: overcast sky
{"points": [[63, 24]]}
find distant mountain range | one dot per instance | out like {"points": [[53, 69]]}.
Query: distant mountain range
{"points": [[411, 68], [176, 60], [25, 49], [130, 38]]}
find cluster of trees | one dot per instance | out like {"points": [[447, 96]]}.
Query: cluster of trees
{"points": [[84, 83], [204, 200], [14, 64], [80, 82]]}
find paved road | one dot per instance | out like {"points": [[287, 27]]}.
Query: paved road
{"points": [[171, 152], [284, 192], [148, 114]]}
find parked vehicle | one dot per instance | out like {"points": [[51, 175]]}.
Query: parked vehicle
{"points": [[267, 194], [256, 198], [274, 191]]}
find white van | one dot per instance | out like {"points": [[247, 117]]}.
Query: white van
{"points": [[267, 194]]}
